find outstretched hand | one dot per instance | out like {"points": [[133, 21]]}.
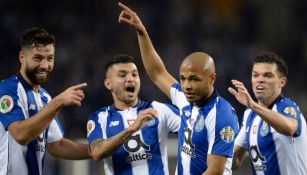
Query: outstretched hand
{"points": [[143, 117], [241, 94], [73, 95], [128, 16]]}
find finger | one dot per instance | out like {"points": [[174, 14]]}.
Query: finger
{"points": [[121, 5], [79, 86], [236, 82], [232, 91], [79, 93]]}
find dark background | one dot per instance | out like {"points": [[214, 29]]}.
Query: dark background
{"points": [[88, 35]]}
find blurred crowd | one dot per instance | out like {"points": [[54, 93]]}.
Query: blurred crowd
{"points": [[88, 35]]}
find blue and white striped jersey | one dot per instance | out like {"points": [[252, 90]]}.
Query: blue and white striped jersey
{"points": [[271, 152], [209, 129], [145, 152], [18, 102]]}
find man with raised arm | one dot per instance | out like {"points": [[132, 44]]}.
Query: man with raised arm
{"points": [[209, 123]]}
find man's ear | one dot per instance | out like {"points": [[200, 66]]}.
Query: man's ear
{"points": [[21, 56], [213, 78], [107, 84], [283, 81]]}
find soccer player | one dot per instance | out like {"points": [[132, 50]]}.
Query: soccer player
{"points": [[274, 129], [130, 135], [209, 123], [28, 114]]}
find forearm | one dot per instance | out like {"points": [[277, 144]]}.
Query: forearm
{"points": [[67, 149], [26, 130], [102, 148], [280, 123], [151, 60]]}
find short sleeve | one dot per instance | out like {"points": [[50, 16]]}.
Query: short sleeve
{"points": [[93, 126], [55, 131]]}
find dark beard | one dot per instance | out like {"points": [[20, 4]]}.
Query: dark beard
{"points": [[35, 80]]}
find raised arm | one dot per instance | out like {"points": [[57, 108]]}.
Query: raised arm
{"points": [[24, 131], [102, 148], [152, 62], [282, 124]]}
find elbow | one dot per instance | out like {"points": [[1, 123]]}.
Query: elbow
{"points": [[22, 139], [97, 154]]}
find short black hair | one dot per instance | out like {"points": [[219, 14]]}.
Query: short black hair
{"points": [[271, 58], [119, 59], [36, 36]]}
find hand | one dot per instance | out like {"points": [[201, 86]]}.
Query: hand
{"points": [[73, 95], [130, 17], [242, 94], [142, 119]]}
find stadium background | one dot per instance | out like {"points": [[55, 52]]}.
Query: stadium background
{"points": [[88, 35]]}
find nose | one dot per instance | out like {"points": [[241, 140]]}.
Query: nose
{"points": [[44, 64], [187, 85], [130, 77]]}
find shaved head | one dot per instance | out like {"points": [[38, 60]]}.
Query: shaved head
{"points": [[197, 77], [199, 60]]}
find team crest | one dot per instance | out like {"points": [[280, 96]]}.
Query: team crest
{"points": [[200, 125], [90, 127], [264, 130], [227, 134], [6, 104], [151, 122], [187, 113], [291, 111]]}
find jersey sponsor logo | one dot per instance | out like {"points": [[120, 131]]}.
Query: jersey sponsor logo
{"points": [[291, 111], [200, 125], [257, 159], [41, 140], [227, 134], [90, 127], [6, 104], [264, 130], [188, 147], [113, 123], [133, 145]]}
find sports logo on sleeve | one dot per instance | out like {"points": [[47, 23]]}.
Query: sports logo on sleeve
{"points": [[6, 104], [227, 134], [291, 111], [90, 127]]}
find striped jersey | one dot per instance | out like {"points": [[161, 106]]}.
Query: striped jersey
{"points": [[145, 152], [209, 129], [19, 102], [269, 151]]}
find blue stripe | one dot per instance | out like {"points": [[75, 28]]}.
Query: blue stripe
{"points": [[268, 150], [31, 157], [122, 168]]}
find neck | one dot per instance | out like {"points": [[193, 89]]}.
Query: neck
{"points": [[203, 100], [122, 105]]}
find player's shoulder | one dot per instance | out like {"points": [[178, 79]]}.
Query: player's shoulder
{"points": [[160, 105], [223, 104], [9, 82], [99, 111]]}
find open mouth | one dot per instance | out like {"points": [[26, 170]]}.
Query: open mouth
{"points": [[130, 89]]}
